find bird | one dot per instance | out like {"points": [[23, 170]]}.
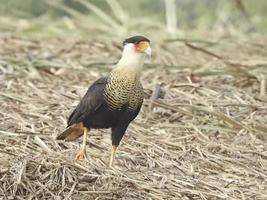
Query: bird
{"points": [[112, 101]]}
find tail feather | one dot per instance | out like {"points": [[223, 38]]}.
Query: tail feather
{"points": [[71, 133]]}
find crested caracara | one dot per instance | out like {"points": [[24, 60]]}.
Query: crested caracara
{"points": [[112, 101]]}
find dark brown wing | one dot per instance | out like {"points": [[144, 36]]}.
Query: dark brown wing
{"points": [[91, 101]]}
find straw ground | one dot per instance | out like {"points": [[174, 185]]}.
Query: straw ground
{"points": [[201, 133]]}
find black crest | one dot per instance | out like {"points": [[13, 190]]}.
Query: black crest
{"points": [[135, 39]]}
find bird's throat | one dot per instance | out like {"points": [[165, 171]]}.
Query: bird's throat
{"points": [[127, 71], [130, 65]]}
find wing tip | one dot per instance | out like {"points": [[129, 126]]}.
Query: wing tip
{"points": [[71, 133]]}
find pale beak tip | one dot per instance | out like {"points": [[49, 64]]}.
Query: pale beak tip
{"points": [[148, 53]]}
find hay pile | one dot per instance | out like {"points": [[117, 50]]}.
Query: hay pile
{"points": [[203, 136]]}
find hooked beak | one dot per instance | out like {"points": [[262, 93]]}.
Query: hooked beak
{"points": [[148, 53]]}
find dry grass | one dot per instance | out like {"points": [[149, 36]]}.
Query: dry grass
{"points": [[204, 138]]}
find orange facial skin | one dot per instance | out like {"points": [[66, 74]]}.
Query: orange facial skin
{"points": [[141, 46]]}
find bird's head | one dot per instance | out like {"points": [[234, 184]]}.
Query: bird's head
{"points": [[136, 50], [137, 45]]}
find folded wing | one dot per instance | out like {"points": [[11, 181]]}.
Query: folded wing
{"points": [[91, 101]]}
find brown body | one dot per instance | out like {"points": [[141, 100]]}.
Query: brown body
{"points": [[113, 101]]}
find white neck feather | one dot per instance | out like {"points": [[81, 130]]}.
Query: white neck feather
{"points": [[131, 60]]}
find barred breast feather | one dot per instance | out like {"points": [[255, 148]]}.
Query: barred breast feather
{"points": [[123, 91]]}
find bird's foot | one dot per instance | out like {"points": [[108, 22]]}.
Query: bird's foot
{"points": [[81, 155], [111, 166]]}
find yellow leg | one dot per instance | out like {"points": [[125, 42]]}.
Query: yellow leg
{"points": [[113, 153], [82, 153]]}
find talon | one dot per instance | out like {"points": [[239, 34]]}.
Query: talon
{"points": [[81, 155]]}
